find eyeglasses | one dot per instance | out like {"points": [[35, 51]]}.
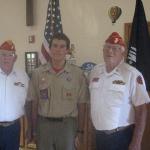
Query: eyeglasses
{"points": [[7, 55], [113, 48]]}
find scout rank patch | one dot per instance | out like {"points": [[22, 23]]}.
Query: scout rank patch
{"points": [[139, 80], [44, 94], [118, 82], [95, 79], [18, 84], [43, 91]]}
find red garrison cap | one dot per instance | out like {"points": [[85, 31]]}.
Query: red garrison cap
{"points": [[8, 45], [115, 38]]}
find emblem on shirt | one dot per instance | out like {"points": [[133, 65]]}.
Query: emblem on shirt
{"points": [[118, 82], [95, 79], [19, 84], [139, 80], [43, 88], [68, 94], [69, 78]]}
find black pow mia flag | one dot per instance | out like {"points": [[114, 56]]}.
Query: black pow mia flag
{"points": [[139, 43]]}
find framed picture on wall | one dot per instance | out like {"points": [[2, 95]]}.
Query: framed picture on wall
{"points": [[31, 62]]}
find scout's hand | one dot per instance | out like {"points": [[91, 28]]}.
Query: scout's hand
{"points": [[29, 135], [78, 140]]}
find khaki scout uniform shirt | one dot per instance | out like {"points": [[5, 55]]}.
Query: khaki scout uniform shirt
{"points": [[58, 93]]}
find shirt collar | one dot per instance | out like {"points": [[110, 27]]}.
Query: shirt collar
{"points": [[13, 72], [48, 67], [116, 70]]}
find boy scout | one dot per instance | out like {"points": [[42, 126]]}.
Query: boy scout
{"points": [[58, 92]]}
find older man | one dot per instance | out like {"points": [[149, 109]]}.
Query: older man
{"points": [[118, 100], [13, 89]]}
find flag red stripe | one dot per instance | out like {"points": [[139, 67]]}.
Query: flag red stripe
{"points": [[45, 53]]}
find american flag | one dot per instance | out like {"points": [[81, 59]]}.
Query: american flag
{"points": [[53, 25]]}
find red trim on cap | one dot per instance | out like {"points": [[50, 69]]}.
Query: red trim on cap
{"points": [[8, 45]]}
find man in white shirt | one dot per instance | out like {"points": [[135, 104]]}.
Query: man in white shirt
{"points": [[118, 100], [13, 89]]}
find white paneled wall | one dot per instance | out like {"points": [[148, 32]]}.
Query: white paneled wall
{"points": [[86, 22]]}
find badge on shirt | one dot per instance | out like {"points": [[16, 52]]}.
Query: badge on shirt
{"points": [[44, 94], [120, 82], [19, 84], [139, 80], [68, 94], [95, 79], [68, 78]]}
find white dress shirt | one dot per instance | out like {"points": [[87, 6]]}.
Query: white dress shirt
{"points": [[13, 90], [114, 95]]}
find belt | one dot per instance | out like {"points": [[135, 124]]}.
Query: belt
{"points": [[60, 119], [117, 129], [7, 123], [56, 119]]}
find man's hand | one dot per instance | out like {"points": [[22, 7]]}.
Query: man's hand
{"points": [[135, 146], [78, 140]]}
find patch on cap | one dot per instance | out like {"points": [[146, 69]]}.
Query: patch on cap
{"points": [[115, 38]]}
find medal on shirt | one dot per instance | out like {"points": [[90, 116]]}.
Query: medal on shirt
{"points": [[120, 82], [19, 84]]}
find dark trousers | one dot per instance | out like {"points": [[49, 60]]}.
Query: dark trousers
{"points": [[119, 140], [10, 137]]}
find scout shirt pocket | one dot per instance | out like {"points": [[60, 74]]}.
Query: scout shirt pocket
{"points": [[44, 91], [44, 98], [68, 92], [116, 94]]}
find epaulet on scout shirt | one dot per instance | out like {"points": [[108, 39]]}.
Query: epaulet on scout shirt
{"points": [[76, 69], [43, 66], [74, 66]]}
